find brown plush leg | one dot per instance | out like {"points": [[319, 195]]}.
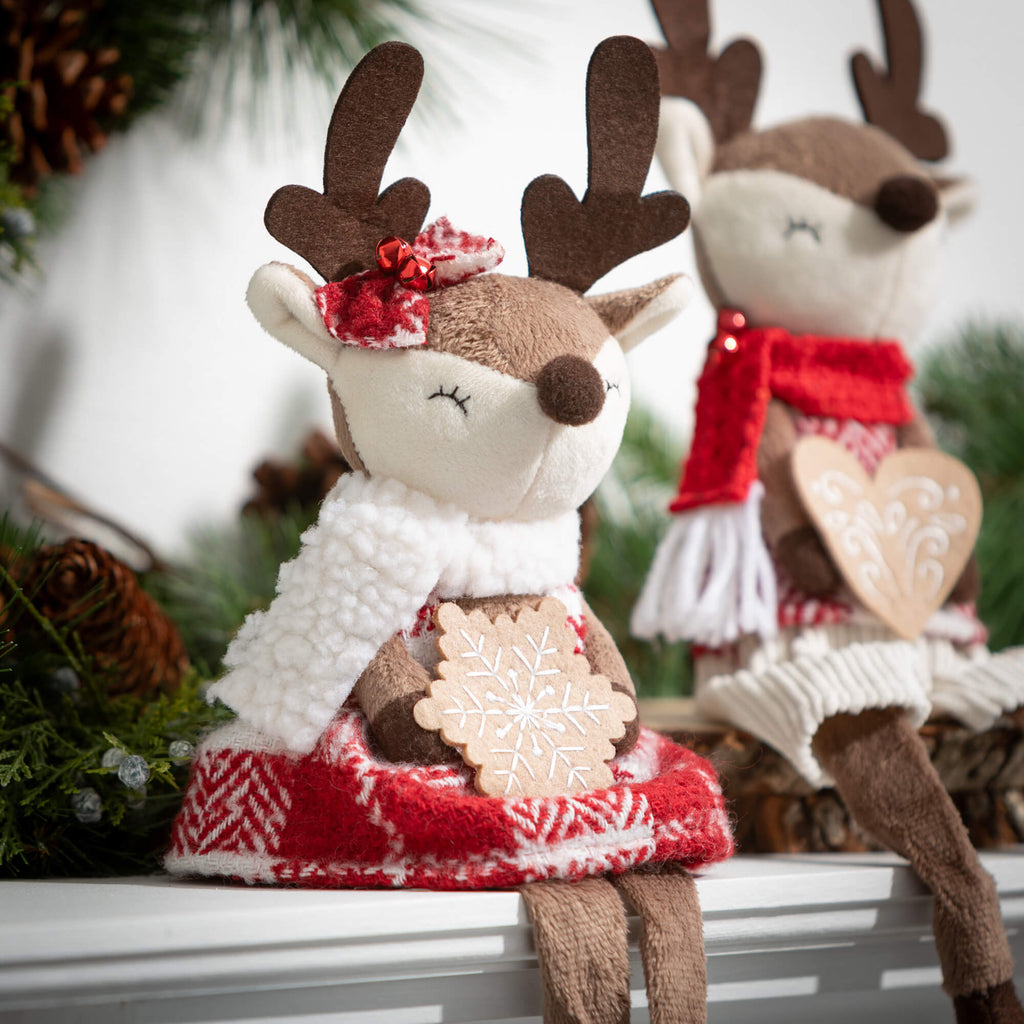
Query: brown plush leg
{"points": [[579, 929], [672, 944], [883, 773]]}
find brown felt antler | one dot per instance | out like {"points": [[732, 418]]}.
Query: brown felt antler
{"points": [[337, 231], [724, 87], [576, 242], [889, 100]]}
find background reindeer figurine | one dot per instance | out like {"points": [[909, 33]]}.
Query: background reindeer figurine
{"points": [[478, 411], [820, 558]]}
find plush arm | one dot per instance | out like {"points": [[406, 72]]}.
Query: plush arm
{"points": [[605, 660], [787, 528], [387, 691], [918, 434]]}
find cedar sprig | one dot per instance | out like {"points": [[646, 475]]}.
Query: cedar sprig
{"points": [[58, 718]]}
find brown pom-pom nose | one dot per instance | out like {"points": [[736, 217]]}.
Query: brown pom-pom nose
{"points": [[570, 390], [907, 203]]}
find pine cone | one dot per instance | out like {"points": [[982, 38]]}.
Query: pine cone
{"points": [[280, 485], [61, 92], [80, 586]]}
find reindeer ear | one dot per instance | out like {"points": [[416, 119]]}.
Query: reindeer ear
{"points": [[634, 314], [959, 196], [282, 300], [685, 146]]}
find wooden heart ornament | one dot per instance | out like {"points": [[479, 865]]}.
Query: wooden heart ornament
{"points": [[521, 707], [900, 539]]}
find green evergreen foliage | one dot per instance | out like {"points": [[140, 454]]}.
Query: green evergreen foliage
{"points": [[163, 42], [70, 755], [228, 573], [632, 503], [972, 388], [225, 47]]}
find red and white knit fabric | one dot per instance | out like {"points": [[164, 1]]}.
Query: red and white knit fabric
{"points": [[343, 817], [373, 309]]}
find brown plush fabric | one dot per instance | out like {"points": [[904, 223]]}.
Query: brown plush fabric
{"points": [[999, 1005], [787, 528], [512, 325], [387, 691], [603, 655], [781, 508], [577, 242], [671, 944], [714, 291], [342, 432], [889, 97], [808, 564], [725, 88], [399, 738], [847, 159], [907, 202], [570, 390], [915, 434], [884, 776], [503, 604], [337, 231], [617, 309], [579, 930], [968, 586], [606, 660]]}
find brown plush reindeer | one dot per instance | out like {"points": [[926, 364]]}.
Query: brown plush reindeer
{"points": [[820, 558], [478, 411]]}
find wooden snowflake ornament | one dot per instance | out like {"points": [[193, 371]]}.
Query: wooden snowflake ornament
{"points": [[520, 705]]}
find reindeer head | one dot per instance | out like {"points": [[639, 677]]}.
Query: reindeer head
{"points": [[818, 225], [504, 396]]}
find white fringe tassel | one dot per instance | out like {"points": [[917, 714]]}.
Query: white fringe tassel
{"points": [[712, 579]]}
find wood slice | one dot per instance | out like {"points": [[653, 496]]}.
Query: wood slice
{"points": [[776, 811]]}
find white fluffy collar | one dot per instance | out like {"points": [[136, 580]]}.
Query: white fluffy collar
{"points": [[377, 553]]}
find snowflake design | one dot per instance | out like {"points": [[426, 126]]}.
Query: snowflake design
{"points": [[522, 705]]}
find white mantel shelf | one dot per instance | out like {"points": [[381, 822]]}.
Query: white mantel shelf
{"points": [[789, 938]]}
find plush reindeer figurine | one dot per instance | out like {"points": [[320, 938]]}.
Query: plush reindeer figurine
{"points": [[820, 559], [431, 610]]}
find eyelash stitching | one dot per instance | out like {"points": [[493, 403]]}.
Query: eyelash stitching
{"points": [[802, 225], [608, 385], [453, 395]]}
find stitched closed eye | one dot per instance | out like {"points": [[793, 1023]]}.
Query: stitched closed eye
{"points": [[793, 225], [610, 386], [460, 400]]}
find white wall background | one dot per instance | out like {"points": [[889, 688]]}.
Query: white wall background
{"points": [[134, 373]]}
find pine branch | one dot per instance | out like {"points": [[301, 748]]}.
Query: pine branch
{"points": [[66, 805], [229, 573], [971, 389]]}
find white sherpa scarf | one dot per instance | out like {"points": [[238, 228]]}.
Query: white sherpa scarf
{"points": [[377, 553]]}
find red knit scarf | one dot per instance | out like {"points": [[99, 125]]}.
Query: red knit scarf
{"points": [[845, 378]]}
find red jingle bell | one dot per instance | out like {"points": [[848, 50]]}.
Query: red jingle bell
{"points": [[395, 256], [416, 272], [391, 253]]}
